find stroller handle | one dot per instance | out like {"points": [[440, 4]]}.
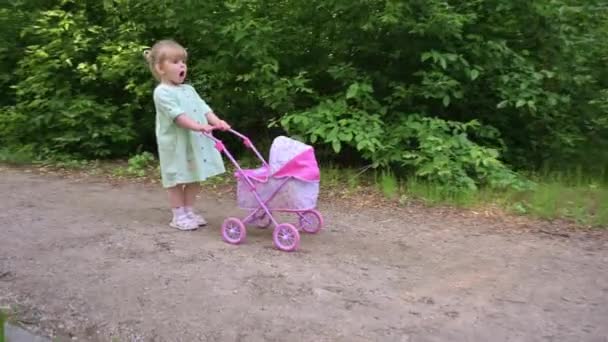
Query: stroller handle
{"points": [[219, 145]]}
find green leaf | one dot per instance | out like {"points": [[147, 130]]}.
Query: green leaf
{"points": [[446, 101], [474, 74], [347, 137], [352, 91], [336, 146]]}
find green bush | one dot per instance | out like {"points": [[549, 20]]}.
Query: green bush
{"points": [[456, 92]]}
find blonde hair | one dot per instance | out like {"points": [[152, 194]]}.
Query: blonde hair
{"points": [[162, 51]]}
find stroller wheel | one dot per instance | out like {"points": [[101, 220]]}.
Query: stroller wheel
{"points": [[233, 231], [311, 221], [286, 237]]}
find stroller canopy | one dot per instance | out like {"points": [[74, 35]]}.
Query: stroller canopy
{"points": [[291, 158]]}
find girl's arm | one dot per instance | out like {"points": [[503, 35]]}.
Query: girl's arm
{"points": [[217, 122], [185, 122]]}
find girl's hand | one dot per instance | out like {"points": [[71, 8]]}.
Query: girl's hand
{"points": [[205, 128], [223, 125]]}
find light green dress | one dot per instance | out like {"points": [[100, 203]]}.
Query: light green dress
{"points": [[185, 156]]}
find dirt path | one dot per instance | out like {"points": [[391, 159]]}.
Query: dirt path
{"points": [[96, 261]]}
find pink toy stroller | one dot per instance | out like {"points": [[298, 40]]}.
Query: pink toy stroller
{"points": [[289, 182]]}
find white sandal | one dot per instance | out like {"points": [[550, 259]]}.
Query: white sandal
{"points": [[198, 219], [183, 223]]}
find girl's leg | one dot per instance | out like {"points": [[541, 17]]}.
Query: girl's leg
{"points": [[176, 196], [180, 217], [190, 192]]}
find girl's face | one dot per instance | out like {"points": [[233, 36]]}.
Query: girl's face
{"points": [[173, 70]]}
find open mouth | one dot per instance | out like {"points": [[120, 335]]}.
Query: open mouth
{"points": [[182, 73]]}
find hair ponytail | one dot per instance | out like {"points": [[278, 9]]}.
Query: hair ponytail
{"points": [[147, 55]]}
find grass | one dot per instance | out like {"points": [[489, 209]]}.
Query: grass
{"points": [[582, 199], [344, 179], [21, 156], [568, 195], [140, 165], [388, 184], [2, 320], [557, 195], [25, 156], [12, 315]]}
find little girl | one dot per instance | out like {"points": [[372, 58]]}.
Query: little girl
{"points": [[186, 157]]}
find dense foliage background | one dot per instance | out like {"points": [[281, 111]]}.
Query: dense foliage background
{"points": [[459, 92]]}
